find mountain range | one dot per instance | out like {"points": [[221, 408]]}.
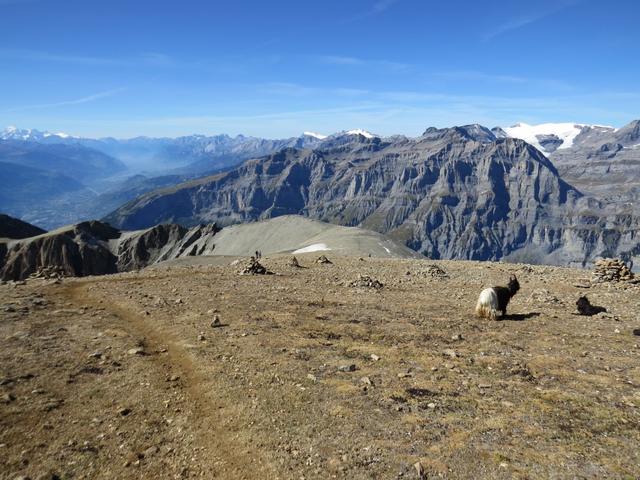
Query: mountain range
{"points": [[461, 192], [552, 193]]}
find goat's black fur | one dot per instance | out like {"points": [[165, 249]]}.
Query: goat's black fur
{"points": [[505, 293], [585, 307]]}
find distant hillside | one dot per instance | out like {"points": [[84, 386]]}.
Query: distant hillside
{"points": [[292, 233], [13, 228], [76, 161], [27, 190]]}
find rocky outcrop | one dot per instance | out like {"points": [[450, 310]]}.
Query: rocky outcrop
{"points": [[96, 248], [14, 228], [549, 142], [163, 242], [80, 250]]}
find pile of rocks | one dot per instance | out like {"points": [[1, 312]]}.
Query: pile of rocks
{"points": [[323, 259], [294, 263], [254, 268], [610, 270], [434, 271], [365, 281], [542, 296], [49, 272]]}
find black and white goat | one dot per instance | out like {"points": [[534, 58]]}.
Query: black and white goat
{"points": [[495, 299]]}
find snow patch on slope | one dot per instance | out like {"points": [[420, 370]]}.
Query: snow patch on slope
{"points": [[359, 131], [315, 135], [316, 247], [567, 132]]}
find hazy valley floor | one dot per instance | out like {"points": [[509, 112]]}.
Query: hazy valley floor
{"points": [[124, 376]]}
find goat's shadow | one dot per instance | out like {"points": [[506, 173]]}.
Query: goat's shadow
{"points": [[519, 317]]}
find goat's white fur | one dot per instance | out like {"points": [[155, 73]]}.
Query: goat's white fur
{"points": [[487, 306]]}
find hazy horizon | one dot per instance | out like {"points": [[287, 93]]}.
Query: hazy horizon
{"points": [[235, 134]]}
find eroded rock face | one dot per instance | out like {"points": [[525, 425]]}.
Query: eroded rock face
{"points": [[452, 193], [458, 193], [79, 250], [604, 162], [163, 242], [96, 248]]}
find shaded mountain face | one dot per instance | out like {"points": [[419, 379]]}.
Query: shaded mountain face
{"points": [[72, 160], [36, 195], [13, 228], [95, 248], [49, 184], [52, 200], [452, 193]]}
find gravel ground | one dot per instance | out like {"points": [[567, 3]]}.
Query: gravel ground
{"points": [[195, 371]]}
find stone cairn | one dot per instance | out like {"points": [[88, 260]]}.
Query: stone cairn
{"points": [[323, 259], [610, 270], [293, 262], [434, 271], [49, 272], [365, 281], [254, 268]]}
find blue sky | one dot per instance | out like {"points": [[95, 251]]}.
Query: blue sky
{"points": [[275, 68]]}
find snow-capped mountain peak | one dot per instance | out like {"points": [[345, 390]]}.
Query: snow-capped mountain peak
{"points": [[59, 134], [315, 135], [359, 131], [14, 133]]}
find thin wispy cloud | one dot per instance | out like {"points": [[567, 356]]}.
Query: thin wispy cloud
{"points": [[296, 90], [527, 19], [223, 119], [377, 8], [32, 55], [66, 103], [475, 77], [411, 97], [385, 65], [340, 60], [470, 75], [505, 105], [149, 59], [382, 5]]}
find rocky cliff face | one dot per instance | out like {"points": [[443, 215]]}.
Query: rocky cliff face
{"points": [[95, 248], [605, 163], [452, 193], [136, 250]]}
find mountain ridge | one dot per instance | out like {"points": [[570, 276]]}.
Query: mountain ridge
{"points": [[379, 185]]}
